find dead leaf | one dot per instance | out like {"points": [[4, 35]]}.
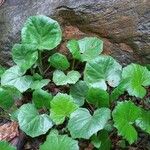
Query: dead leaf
{"points": [[9, 131]]}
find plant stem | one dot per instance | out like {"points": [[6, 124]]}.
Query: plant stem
{"points": [[73, 63], [32, 70], [40, 65], [47, 69]]}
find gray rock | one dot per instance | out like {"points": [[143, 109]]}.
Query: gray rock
{"points": [[13, 14], [120, 21], [125, 23]]}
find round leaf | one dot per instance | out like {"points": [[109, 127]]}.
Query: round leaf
{"points": [[62, 106], [124, 115], [138, 77], [24, 55], [31, 122], [98, 97], [102, 69], [78, 91], [83, 125], [86, 48], [55, 141], [59, 78], [41, 98], [14, 77], [41, 31], [59, 61]]}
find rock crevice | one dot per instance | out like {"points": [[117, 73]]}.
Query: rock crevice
{"points": [[124, 25]]}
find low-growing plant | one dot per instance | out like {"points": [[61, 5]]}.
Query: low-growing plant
{"points": [[83, 94]]}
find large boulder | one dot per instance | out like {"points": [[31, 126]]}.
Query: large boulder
{"points": [[123, 25], [13, 14]]}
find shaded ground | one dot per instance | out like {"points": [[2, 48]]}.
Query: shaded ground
{"points": [[9, 130]]}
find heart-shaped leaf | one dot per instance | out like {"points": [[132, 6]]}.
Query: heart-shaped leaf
{"points": [[8, 95], [62, 106], [24, 55], [59, 78], [41, 98], [102, 69], [14, 77], [31, 122], [138, 77], [78, 91], [98, 97], [83, 125], [59, 61], [41, 31], [6, 146], [124, 115], [144, 121], [86, 48], [55, 141]]}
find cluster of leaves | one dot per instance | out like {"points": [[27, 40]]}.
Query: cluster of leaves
{"points": [[90, 108]]}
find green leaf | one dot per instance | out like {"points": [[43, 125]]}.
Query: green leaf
{"points": [[6, 146], [37, 76], [8, 95], [148, 66], [14, 115], [38, 84], [102, 69], [138, 77], [62, 106], [41, 31], [98, 97], [59, 78], [31, 122], [144, 121], [83, 125], [119, 90], [41, 98], [95, 141], [55, 141], [122, 144], [59, 61], [2, 70], [24, 55], [124, 115], [14, 77], [74, 48], [78, 91], [101, 141], [85, 49]]}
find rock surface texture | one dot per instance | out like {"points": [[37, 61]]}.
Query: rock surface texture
{"points": [[124, 25]]}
